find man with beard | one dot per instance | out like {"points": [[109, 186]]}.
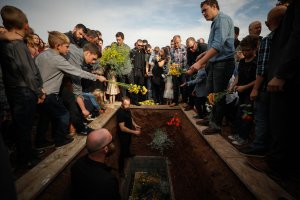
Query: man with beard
{"points": [[90, 176], [77, 34], [22, 81], [127, 127]]}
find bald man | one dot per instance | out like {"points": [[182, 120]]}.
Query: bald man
{"points": [[255, 29], [90, 177]]}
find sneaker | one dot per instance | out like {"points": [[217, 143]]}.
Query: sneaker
{"points": [[196, 117], [44, 146], [90, 118], [250, 151], [66, 141], [233, 137], [239, 141]]}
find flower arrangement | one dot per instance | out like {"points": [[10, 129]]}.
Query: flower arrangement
{"points": [[174, 121], [247, 112], [149, 185], [114, 57], [161, 141], [175, 70], [148, 102], [215, 97], [132, 88]]}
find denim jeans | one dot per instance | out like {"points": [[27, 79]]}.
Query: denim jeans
{"points": [[219, 74], [91, 98], [261, 116], [53, 110]]}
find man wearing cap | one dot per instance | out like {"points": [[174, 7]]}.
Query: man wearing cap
{"points": [[90, 177]]}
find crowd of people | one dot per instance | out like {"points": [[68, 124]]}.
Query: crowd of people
{"points": [[61, 83]]}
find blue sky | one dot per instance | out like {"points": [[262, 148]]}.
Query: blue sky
{"points": [[156, 20]]}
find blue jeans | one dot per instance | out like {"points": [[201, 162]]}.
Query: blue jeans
{"points": [[92, 98], [53, 110], [261, 113], [219, 74]]}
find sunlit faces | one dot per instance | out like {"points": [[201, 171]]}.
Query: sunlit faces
{"points": [[191, 46], [139, 45], [255, 29], [36, 39], [119, 40], [90, 58], [78, 33], [63, 48], [126, 104], [209, 12], [177, 42]]}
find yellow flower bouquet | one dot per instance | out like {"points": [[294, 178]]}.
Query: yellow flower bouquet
{"points": [[175, 70], [114, 57], [132, 88]]}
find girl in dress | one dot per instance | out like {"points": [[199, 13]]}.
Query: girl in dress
{"points": [[168, 93], [112, 88]]}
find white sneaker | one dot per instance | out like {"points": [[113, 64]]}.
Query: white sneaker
{"points": [[233, 137], [90, 118], [239, 141]]}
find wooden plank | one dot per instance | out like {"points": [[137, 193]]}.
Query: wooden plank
{"points": [[258, 183], [31, 184]]}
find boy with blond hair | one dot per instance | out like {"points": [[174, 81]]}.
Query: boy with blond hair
{"points": [[52, 66]]}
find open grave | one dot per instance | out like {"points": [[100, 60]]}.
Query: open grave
{"points": [[200, 167]]}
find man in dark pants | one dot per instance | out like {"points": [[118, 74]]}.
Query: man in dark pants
{"points": [[284, 82], [127, 127], [90, 176], [137, 56], [219, 59]]}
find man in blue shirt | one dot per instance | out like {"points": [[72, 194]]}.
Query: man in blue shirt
{"points": [[219, 59]]}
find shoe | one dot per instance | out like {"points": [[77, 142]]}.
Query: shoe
{"points": [[197, 117], [233, 137], [90, 118], [250, 151], [40, 153], [86, 131], [44, 146], [211, 131], [203, 122], [173, 104], [239, 141], [188, 108], [66, 141]]}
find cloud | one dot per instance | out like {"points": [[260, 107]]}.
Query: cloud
{"points": [[157, 21]]}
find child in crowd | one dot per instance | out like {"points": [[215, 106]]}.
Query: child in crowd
{"points": [[168, 93], [112, 88], [243, 84]]}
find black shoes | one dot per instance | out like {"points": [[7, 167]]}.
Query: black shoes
{"points": [[249, 151], [44, 146], [211, 131]]}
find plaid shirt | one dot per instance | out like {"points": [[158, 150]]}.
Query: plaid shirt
{"points": [[264, 55], [179, 56]]}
